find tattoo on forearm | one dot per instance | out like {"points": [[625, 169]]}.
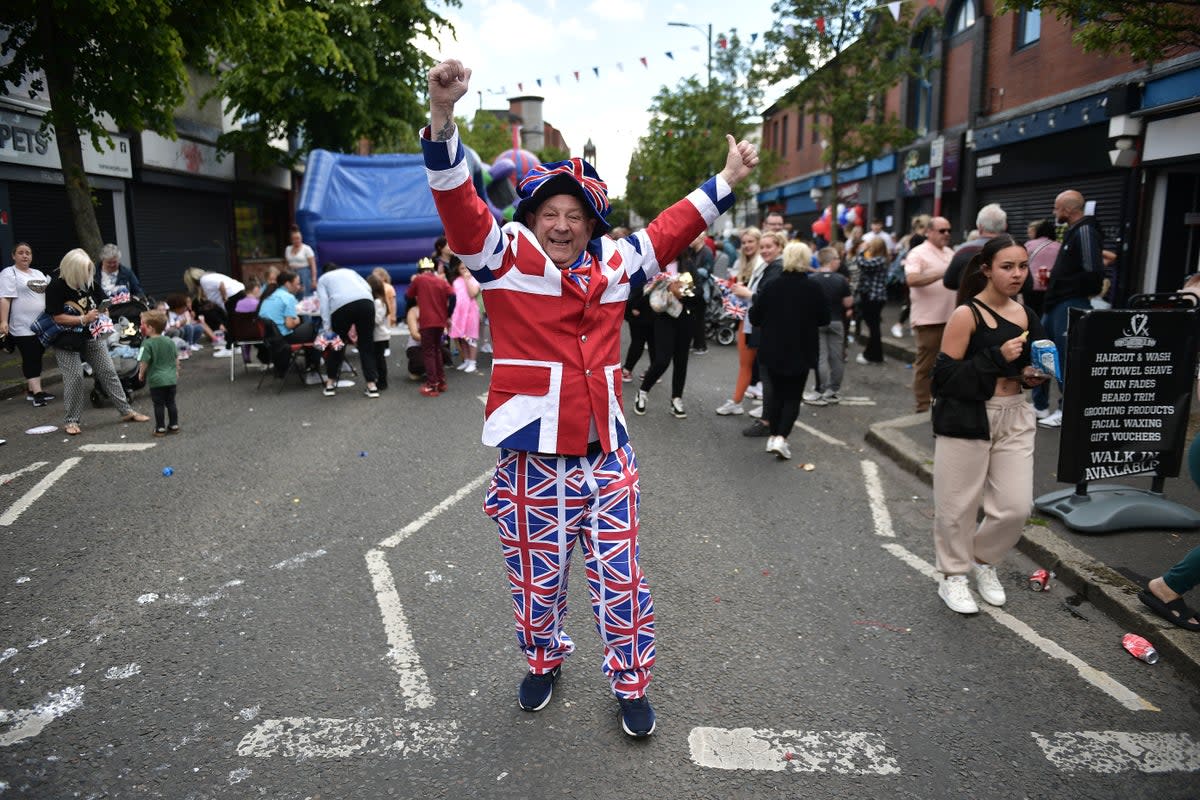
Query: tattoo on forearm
{"points": [[445, 132]]}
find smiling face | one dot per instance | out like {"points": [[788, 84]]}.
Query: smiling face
{"points": [[563, 227], [749, 245], [769, 249], [1008, 270]]}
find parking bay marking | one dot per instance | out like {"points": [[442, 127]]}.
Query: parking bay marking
{"points": [[332, 738], [1109, 752], [838, 752], [35, 466], [41, 487]]}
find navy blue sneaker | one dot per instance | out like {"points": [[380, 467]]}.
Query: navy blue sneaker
{"points": [[637, 717], [536, 690]]}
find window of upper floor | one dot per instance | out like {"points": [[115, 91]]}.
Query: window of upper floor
{"points": [[783, 138], [920, 87], [960, 17], [800, 130], [1029, 27]]}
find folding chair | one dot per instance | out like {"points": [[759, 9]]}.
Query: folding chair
{"points": [[286, 357], [244, 328]]}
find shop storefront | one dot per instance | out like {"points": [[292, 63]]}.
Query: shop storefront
{"points": [[181, 211], [261, 204], [918, 183], [33, 198]]}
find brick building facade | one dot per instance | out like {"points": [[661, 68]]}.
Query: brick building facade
{"points": [[1022, 114]]}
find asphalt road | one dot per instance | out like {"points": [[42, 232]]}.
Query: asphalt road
{"points": [[314, 606]]}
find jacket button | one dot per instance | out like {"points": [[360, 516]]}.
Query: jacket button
{"points": [[587, 372], [583, 338]]}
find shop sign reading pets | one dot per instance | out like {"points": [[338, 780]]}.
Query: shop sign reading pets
{"points": [[1134, 387], [23, 142]]}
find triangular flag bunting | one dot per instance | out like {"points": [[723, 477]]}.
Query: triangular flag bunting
{"points": [[539, 83], [520, 87], [644, 62], [895, 9], [753, 38], [668, 54], [577, 76], [722, 43], [597, 71], [821, 25], [620, 67]]}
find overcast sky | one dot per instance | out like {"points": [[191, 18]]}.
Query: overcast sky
{"points": [[508, 43]]}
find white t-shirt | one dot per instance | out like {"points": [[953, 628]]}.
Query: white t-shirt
{"points": [[298, 262], [211, 283], [26, 303]]}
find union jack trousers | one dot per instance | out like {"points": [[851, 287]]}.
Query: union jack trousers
{"points": [[545, 504]]}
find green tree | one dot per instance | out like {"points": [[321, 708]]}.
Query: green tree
{"points": [[550, 154], [844, 56], [103, 58], [685, 143], [1149, 31], [486, 135], [357, 77]]}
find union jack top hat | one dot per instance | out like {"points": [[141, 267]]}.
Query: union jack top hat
{"points": [[573, 176]]}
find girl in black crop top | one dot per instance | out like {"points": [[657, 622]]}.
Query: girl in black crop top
{"points": [[991, 319]]}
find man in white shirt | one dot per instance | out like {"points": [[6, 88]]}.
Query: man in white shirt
{"points": [[932, 303], [877, 232]]}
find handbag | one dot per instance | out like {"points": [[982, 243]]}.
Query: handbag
{"points": [[50, 333], [45, 329]]}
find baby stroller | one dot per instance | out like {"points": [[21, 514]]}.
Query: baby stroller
{"points": [[123, 344], [720, 322]]}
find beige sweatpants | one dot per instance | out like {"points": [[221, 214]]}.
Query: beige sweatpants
{"points": [[996, 474]]}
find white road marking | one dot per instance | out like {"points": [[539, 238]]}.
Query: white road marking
{"points": [[423, 520], [838, 752], [31, 468], [294, 561], [1098, 678], [129, 447], [25, 501], [122, 672], [414, 684], [303, 737], [856, 401], [28, 722], [878, 503], [824, 437], [1108, 752]]}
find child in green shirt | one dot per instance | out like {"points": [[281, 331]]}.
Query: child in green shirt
{"points": [[158, 367]]}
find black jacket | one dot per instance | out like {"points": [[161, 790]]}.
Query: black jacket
{"points": [[1078, 270], [787, 312]]}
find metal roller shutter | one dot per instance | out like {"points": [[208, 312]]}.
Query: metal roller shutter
{"points": [[41, 217], [1029, 202], [174, 229]]}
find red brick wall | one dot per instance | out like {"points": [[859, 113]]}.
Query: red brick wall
{"points": [[956, 83]]}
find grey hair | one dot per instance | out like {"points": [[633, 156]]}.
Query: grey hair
{"points": [[991, 219], [110, 251]]}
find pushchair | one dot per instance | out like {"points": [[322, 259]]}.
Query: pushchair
{"points": [[123, 344], [720, 322]]}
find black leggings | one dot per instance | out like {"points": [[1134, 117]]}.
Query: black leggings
{"points": [[641, 337], [872, 311], [782, 404], [31, 355], [361, 315], [163, 398], [672, 338]]}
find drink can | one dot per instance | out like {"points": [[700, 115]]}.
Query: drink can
{"points": [[1044, 356], [1139, 648], [1039, 581]]}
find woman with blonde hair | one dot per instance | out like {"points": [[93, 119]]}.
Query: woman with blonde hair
{"points": [[73, 299], [787, 313], [747, 269]]}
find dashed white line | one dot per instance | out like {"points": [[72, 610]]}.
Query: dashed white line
{"points": [[1109, 752], [41, 487], [307, 737], [824, 437], [876, 499], [838, 752], [118, 447]]}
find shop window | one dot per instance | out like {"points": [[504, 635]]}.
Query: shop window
{"points": [[257, 230], [1029, 27]]}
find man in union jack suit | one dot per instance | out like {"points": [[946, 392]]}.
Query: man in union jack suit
{"points": [[555, 288]]}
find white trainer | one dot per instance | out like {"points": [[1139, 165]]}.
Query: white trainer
{"points": [[754, 392], [1052, 421], [1042, 413], [756, 412], [957, 595], [897, 331], [731, 408], [781, 448], [771, 443], [987, 583]]}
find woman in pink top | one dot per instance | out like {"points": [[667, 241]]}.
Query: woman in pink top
{"points": [[464, 322]]}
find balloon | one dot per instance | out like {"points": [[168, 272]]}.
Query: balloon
{"points": [[524, 161]]}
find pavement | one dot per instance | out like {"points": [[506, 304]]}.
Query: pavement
{"points": [[1106, 570]]}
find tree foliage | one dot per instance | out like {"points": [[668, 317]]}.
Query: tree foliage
{"points": [[685, 143], [1149, 31], [486, 135], [327, 73], [844, 56]]}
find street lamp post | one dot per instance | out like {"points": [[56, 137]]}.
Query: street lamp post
{"points": [[707, 35]]}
